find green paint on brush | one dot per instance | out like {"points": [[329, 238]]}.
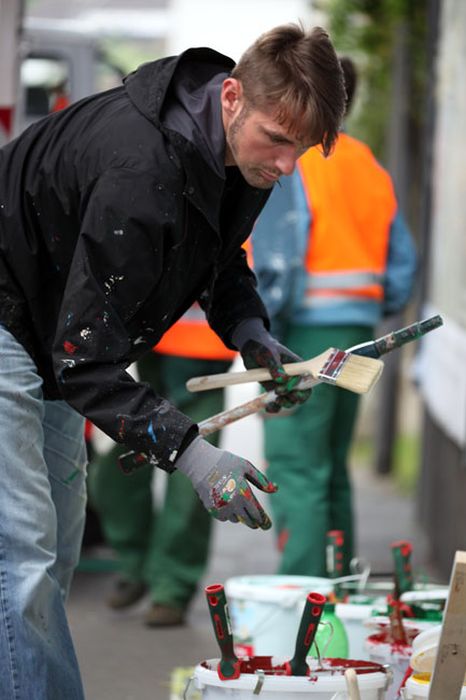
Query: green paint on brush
{"points": [[380, 346]]}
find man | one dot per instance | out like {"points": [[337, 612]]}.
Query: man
{"points": [[116, 214], [347, 259]]}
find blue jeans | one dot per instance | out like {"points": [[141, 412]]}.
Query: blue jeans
{"points": [[42, 510]]}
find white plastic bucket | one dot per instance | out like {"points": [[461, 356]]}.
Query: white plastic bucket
{"points": [[265, 611], [353, 615], [279, 687], [417, 688], [396, 655]]}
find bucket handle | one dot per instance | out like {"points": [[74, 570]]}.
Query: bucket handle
{"points": [[260, 681], [360, 567], [321, 654], [388, 675], [187, 688]]}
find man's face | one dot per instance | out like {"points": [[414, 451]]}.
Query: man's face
{"points": [[263, 149]]}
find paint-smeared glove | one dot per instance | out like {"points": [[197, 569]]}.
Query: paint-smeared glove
{"points": [[260, 349], [221, 481]]}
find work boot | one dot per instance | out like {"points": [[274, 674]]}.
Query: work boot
{"points": [[164, 615], [126, 593]]}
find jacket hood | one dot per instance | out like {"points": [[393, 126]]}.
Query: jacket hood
{"points": [[149, 85], [181, 95]]}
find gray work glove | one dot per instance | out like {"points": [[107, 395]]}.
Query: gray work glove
{"points": [[260, 349], [221, 481]]}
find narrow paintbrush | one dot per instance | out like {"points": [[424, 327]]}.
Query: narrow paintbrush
{"points": [[333, 366], [312, 612], [352, 684], [403, 582], [229, 666], [335, 561]]}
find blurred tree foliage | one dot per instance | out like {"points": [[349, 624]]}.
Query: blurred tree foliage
{"points": [[368, 31]]}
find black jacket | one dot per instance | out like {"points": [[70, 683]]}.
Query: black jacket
{"points": [[115, 215]]}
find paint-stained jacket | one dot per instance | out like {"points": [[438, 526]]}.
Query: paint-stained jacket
{"points": [[115, 216]]}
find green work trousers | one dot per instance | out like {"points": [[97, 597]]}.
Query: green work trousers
{"points": [[167, 547], [307, 454]]}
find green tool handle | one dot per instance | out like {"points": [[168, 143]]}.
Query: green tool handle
{"points": [[395, 339], [229, 666], [335, 558], [307, 631], [401, 552]]}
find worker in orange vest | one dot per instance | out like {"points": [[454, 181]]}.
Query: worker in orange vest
{"points": [[163, 550], [332, 254]]}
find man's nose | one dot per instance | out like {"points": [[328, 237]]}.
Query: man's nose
{"points": [[286, 161]]}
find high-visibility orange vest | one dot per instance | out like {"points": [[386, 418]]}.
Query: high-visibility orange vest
{"points": [[191, 336], [353, 203]]}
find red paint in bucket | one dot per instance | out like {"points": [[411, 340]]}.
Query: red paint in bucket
{"points": [[268, 665]]}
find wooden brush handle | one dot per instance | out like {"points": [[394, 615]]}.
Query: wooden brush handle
{"points": [[352, 684], [131, 461], [219, 381], [260, 374]]}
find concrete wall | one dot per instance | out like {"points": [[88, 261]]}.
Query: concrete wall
{"points": [[443, 358]]}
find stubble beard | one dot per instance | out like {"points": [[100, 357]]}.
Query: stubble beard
{"points": [[252, 174]]}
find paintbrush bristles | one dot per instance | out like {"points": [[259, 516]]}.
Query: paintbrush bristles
{"points": [[354, 372]]}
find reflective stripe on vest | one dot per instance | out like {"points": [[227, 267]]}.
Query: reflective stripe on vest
{"points": [[191, 336], [352, 202]]}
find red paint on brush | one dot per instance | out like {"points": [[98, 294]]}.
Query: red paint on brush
{"points": [[334, 364], [386, 637]]}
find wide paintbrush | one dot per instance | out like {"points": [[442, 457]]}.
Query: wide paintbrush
{"points": [[341, 368], [353, 372]]}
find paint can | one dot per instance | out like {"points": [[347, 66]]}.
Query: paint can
{"points": [[269, 685], [381, 649], [418, 686], [265, 611]]}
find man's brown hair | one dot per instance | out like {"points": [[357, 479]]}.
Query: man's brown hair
{"points": [[298, 74]]}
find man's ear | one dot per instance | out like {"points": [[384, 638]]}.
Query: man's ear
{"points": [[231, 96]]}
